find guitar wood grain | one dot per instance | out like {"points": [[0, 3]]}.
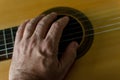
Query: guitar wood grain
{"points": [[102, 61]]}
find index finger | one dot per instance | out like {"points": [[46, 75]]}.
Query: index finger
{"points": [[56, 29]]}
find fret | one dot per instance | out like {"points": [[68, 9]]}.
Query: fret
{"points": [[5, 44]]}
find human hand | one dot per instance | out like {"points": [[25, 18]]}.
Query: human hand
{"points": [[36, 48]]}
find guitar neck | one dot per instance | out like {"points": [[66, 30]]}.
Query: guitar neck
{"points": [[7, 38]]}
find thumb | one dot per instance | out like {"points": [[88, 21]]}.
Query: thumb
{"points": [[69, 56]]}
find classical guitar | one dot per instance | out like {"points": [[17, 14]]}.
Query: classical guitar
{"points": [[94, 24]]}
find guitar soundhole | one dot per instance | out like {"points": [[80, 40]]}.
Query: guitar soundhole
{"points": [[79, 29], [72, 32]]}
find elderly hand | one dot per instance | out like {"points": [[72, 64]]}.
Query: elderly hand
{"points": [[36, 48]]}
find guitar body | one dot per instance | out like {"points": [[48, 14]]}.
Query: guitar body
{"points": [[102, 61]]}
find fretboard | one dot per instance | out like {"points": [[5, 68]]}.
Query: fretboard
{"points": [[7, 38]]}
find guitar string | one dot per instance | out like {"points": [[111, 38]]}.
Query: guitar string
{"points": [[77, 13], [8, 38], [10, 53], [96, 20], [107, 10], [94, 29], [99, 27], [97, 33], [106, 25], [100, 13], [7, 43], [113, 19], [4, 55], [80, 31], [7, 49], [86, 35]]}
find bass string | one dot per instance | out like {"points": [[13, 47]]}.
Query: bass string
{"points": [[89, 35]]}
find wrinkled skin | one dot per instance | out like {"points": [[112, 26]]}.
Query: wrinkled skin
{"points": [[36, 48]]}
